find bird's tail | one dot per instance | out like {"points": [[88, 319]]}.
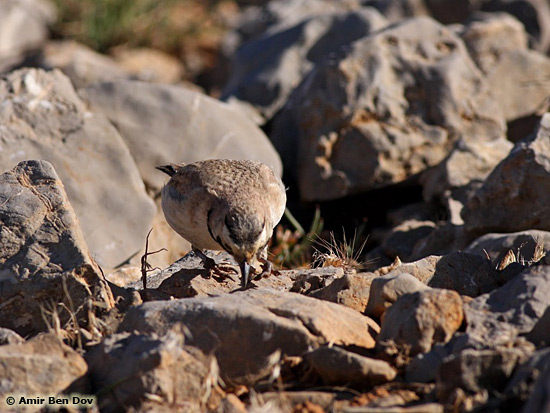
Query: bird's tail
{"points": [[170, 169]]}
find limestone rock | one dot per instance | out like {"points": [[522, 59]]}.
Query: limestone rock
{"points": [[467, 274], [162, 236], [497, 318], [124, 276], [232, 404], [385, 291], [422, 269], [336, 366], [44, 260], [245, 328], [478, 370], [266, 69], [514, 72], [526, 246], [135, 368], [424, 367], [8, 336], [24, 26], [534, 14], [273, 15], [528, 388], [513, 197], [416, 321], [397, 101], [401, 239], [164, 124], [150, 65], [187, 278], [81, 64], [305, 398], [540, 333], [467, 165], [468, 161], [43, 118], [481, 35], [41, 366], [396, 10], [311, 281], [351, 290]]}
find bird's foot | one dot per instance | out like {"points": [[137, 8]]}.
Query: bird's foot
{"points": [[249, 286], [219, 272], [222, 272], [267, 270]]}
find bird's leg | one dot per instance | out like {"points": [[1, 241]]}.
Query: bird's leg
{"points": [[208, 262], [211, 267], [267, 266], [267, 269]]}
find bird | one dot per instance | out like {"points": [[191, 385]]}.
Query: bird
{"points": [[224, 204]]}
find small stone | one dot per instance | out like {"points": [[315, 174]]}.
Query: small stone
{"points": [[385, 290], [336, 366], [416, 321], [136, 368], [40, 366], [478, 370]]}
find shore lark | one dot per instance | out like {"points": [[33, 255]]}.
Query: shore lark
{"points": [[222, 204]]}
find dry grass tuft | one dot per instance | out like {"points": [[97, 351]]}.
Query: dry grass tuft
{"points": [[341, 254], [538, 254]]}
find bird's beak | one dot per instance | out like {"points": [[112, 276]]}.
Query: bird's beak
{"points": [[245, 271]]}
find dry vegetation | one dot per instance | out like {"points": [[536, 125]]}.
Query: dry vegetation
{"points": [[191, 30]]}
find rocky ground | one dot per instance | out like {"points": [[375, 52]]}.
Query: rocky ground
{"points": [[427, 118]]}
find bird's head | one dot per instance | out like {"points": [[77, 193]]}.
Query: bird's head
{"points": [[242, 235], [245, 235]]}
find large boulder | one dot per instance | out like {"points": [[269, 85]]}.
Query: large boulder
{"points": [[498, 327], [243, 330], [187, 278], [512, 310], [534, 14], [23, 26], [514, 196], [164, 124], [81, 64], [384, 110], [43, 118], [271, 16], [45, 265], [454, 181], [266, 70], [479, 371], [514, 73], [465, 273], [526, 246]]}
